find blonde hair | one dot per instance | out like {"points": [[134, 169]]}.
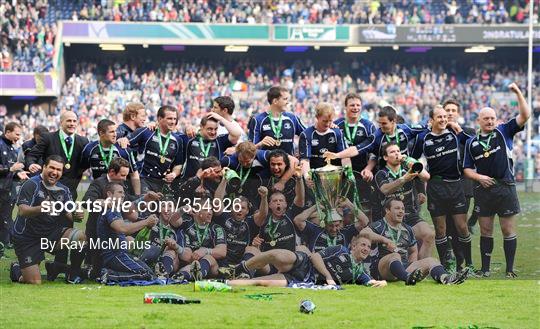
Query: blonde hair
{"points": [[131, 110], [324, 109], [247, 148]]}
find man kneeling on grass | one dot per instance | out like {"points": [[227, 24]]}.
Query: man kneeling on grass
{"points": [[402, 263], [118, 264], [336, 264]]}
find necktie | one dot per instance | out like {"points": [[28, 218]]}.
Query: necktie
{"points": [[69, 140]]}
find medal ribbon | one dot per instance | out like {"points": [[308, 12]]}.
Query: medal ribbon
{"points": [[64, 147], [395, 236], [200, 239], [485, 145], [389, 138], [357, 269], [331, 242], [348, 135], [395, 175], [242, 177], [107, 160], [163, 147], [272, 230], [276, 130], [204, 148]]}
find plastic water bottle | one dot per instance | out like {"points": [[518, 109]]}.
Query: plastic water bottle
{"points": [[211, 286], [167, 298]]}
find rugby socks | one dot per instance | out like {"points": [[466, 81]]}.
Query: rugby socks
{"points": [[242, 268], [205, 267], [510, 246], [486, 248], [466, 248], [442, 247], [187, 275], [437, 272], [167, 262], [398, 270], [76, 258], [61, 256]]}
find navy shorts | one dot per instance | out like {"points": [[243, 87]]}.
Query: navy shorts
{"points": [[500, 199], [28, 249], [302, 270], [446, 198]]}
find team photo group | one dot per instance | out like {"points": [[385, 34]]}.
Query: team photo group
{"points": [[330, 202]]}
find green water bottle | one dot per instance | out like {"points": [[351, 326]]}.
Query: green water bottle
{"points": [[167, 298], [211, 286]]}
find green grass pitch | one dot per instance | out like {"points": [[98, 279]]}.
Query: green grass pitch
{"points": [[485, 303]]}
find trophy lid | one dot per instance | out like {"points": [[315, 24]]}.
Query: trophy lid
{"points": [[327, 168]]}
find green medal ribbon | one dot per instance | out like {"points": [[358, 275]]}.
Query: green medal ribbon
{"points": [[200, 239], [485, 145], [395, 236], [357, 269], [102, 153], [276, 130], [331, 242], [64, 147], [163, 147], [204, 148], [272, 230], [395, 175], [242, 177], [348, 135], [389, 138]]}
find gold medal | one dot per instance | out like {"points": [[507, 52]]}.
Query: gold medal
{"points": [[401, 197], [68, 166], [272, 243], [278, 142], [486, 154], [240, 190], [162, 159]]}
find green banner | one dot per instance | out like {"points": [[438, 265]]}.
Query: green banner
{"points": [[311, 33]]}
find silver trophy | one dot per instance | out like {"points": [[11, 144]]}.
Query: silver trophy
{"points": [[331, 185]]}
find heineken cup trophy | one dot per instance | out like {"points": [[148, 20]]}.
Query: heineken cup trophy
{"points": [[331, 184]]}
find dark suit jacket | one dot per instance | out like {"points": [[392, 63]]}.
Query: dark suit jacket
{"points": [[49, 145]]}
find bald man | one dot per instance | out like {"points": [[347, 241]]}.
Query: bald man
{"points": [[488, 161], [66, 143]]}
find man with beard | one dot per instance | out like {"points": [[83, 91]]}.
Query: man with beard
{"points": [[35, 222]]}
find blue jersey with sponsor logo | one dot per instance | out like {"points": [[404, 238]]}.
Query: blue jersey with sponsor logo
{"points": [[365, 129], [493, 159], [261, 127], [314, 144]]}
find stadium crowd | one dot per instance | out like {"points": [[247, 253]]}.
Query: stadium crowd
{"points": [[292, 230], [28, 28]]}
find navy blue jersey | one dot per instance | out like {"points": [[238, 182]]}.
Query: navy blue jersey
{"points": [[341, 265], [404, 134], [32, 193], [194, 152], [364, 130], [442, 152], [207, 236], [495, 160], [238, 234], [260, 127], [281, 233], [260, 164], [93, 159], [8, 157], [114, 243], [405, 193], [123, 130], [26, 146], [318, 239], [147, 144], [403, 237], [313, 144]]}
